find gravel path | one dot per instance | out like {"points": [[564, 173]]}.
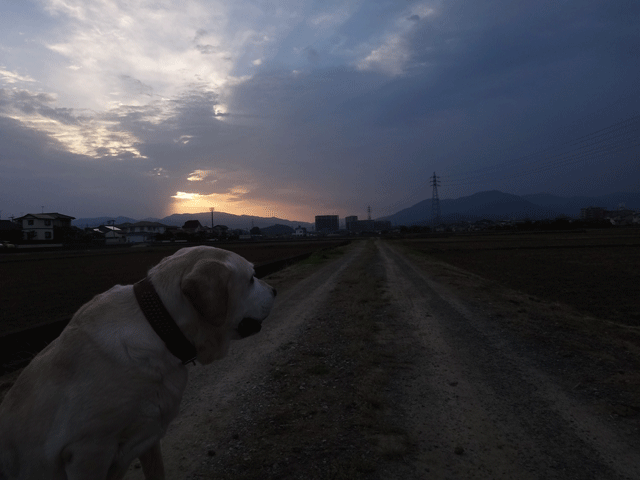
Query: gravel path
{"points": [[479, 403], [221, 395], [370, 368]]}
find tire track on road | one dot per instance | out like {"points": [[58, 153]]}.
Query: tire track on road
{"points": [[476, 406], [216, 393]]}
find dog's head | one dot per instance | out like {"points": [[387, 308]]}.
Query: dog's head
{"points": [[214, 297]]}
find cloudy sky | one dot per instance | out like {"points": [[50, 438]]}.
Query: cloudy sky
{"points": [[294, 108]]}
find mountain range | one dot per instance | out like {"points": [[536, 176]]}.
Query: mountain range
{"points": [[496, 205], [244, 222], [492, 205]]}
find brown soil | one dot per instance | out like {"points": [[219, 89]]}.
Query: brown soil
{"points": [[376, 363], [43, 287], [595, 272]]}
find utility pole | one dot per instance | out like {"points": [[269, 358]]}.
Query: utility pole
{"points": [[435, 201], [211, 209], [369, 212]]}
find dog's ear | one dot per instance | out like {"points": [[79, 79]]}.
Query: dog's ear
{"points": [[207, 288]]}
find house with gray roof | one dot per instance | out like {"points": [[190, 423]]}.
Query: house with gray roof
{"points": [[141, 232], [40, 226]]}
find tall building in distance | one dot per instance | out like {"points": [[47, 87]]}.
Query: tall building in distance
{"points": [[353, 225], [327, 223], [350, 221]]}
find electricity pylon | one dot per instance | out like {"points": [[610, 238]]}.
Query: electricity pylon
{"points": [[435, 201]]}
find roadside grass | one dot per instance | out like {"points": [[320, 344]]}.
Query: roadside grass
{"points": [[322, 256]]}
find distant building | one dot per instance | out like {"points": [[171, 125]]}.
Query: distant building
{"points": [[112, 234], [357, 226], [363, 226], [193, 226], [623, 216], [40, 226], [327, 223], [219, 231], [382, 225], [300, 232], [141, 231], [592, 213]]}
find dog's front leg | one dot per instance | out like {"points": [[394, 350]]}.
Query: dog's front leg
{"points": [[88, 459], [152, 465]]}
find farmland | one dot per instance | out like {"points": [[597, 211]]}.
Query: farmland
{"points": [[595, 272], [43, 287], [420, 358]]}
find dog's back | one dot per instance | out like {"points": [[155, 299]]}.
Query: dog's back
{"points": [[9, 462], [59, 405], [105, 391]]}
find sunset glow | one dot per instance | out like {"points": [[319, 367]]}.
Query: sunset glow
{"points": [[189, 202], [292, 109]]}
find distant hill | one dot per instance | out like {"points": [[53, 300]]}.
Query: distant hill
{"points": [[571, 205], [97, 221], [496, 205], [492, 205], [179, 219], [232, 221]]}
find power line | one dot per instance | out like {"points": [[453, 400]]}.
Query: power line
{"points": [[625, 128], [546, 168], [613, 139], [560, 161]]}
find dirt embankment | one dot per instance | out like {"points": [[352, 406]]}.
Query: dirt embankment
{"points": [[370, 368]]}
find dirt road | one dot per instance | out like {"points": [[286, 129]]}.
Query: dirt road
{"points": [[372, 365]]}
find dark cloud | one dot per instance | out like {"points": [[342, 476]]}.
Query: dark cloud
{"points": [[311, 54], [31, 103], [482, 84], [201, 32], [36, 170], [136, 86], [541, 58], [207, 49]]}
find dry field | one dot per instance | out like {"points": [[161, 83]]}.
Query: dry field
{"points": [[383, 364], [595, 272], [43, 287]]}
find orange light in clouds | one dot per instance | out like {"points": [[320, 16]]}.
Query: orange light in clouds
{"points": [[184, 202]]}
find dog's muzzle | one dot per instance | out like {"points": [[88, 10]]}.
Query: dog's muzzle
{"points": [[248, 326]]}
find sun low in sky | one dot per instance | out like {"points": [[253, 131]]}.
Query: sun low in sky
{"points": [[296, 108]]}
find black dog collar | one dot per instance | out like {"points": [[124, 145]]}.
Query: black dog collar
{"points": [[161, 321]]}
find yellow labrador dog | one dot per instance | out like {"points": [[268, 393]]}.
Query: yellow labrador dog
{"points": [[104, 392]]}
